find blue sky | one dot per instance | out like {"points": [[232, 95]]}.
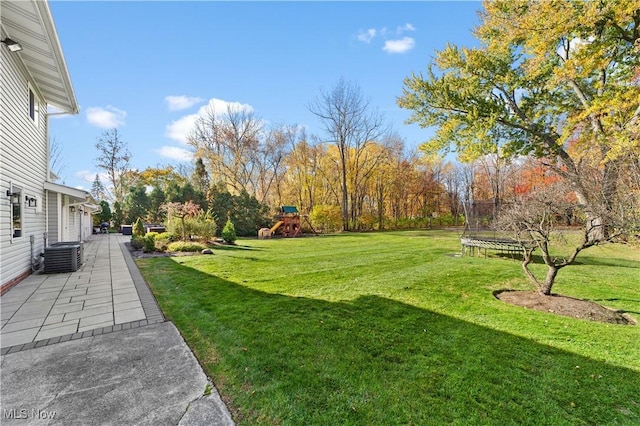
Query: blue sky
{"points": [[148, 68]]}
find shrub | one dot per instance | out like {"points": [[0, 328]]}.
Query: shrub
{"points": [[161, 245], [203, 226], [136, 242], [229, 233], [165, 236], [138, 228], [185, 246], [162, 241], [148, 244], [366, 222]]}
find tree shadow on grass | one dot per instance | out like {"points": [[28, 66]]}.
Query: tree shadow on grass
{"points": [[291, 360], [582, 260], [605, 261], [234, 247]]}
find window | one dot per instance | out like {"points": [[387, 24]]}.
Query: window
{"points": [[33, 105], [16, 212]]}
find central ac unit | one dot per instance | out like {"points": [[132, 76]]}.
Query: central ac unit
{"points": [[62, 258]]}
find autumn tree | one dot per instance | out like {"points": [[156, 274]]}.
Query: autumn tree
{"points": [[554, 80], [351, 124], [302, 181], [182, 211], [381, 181], [536, 220], [270, 164], [454, 186], [160, 177], [114, 158], [403, 174], [229, 141]]}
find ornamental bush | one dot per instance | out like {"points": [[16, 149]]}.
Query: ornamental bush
{"points": [[185, 246], [148, 244], [136, 242], [138, 228], [229, 233]]}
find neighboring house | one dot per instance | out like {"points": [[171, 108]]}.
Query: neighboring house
{"points": [[34, 211]]}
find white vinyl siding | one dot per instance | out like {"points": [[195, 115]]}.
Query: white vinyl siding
{"points": [[53, 217], [23, 163]]}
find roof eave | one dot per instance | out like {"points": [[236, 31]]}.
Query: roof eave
{"points": [[56, 50]]}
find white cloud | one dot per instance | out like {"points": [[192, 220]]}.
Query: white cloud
{"points": [[367, 36], [177, 103], [573, 46], [391, 45], [405, 27], [107, 117], [180, 129], [402, 45], [86, 175], [175, 153], [90, 176]]}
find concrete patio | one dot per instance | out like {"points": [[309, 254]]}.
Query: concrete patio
{"points": [[100, 297]]}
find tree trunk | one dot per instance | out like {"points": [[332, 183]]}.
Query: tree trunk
{"points": [[545, 288], [345, 194], [527, 258], [380, 188]]}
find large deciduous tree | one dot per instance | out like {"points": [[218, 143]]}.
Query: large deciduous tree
{"points": [[557, 80], [114, 158], [351, 124], [229, 141]]}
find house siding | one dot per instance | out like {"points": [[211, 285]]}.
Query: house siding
{"points": [[23, 164], [74, 226], [53, 219]]}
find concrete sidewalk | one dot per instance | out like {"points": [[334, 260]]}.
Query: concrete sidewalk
{"points": [[92, 347]]}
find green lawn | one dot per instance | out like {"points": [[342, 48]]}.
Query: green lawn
{"points": [[389, 328]]}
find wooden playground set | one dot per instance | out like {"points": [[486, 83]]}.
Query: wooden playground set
{"points": [[288, 225]]}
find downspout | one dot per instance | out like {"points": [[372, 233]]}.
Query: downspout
{"points": [[46, 125], [46, 215]]}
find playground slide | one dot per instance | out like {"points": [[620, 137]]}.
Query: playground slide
{"points": [[276, 226]]}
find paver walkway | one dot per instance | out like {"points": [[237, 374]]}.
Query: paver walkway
{"points": [[106, 294]]}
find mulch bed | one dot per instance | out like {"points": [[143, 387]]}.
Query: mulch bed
{"points": [[566, 306]]}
